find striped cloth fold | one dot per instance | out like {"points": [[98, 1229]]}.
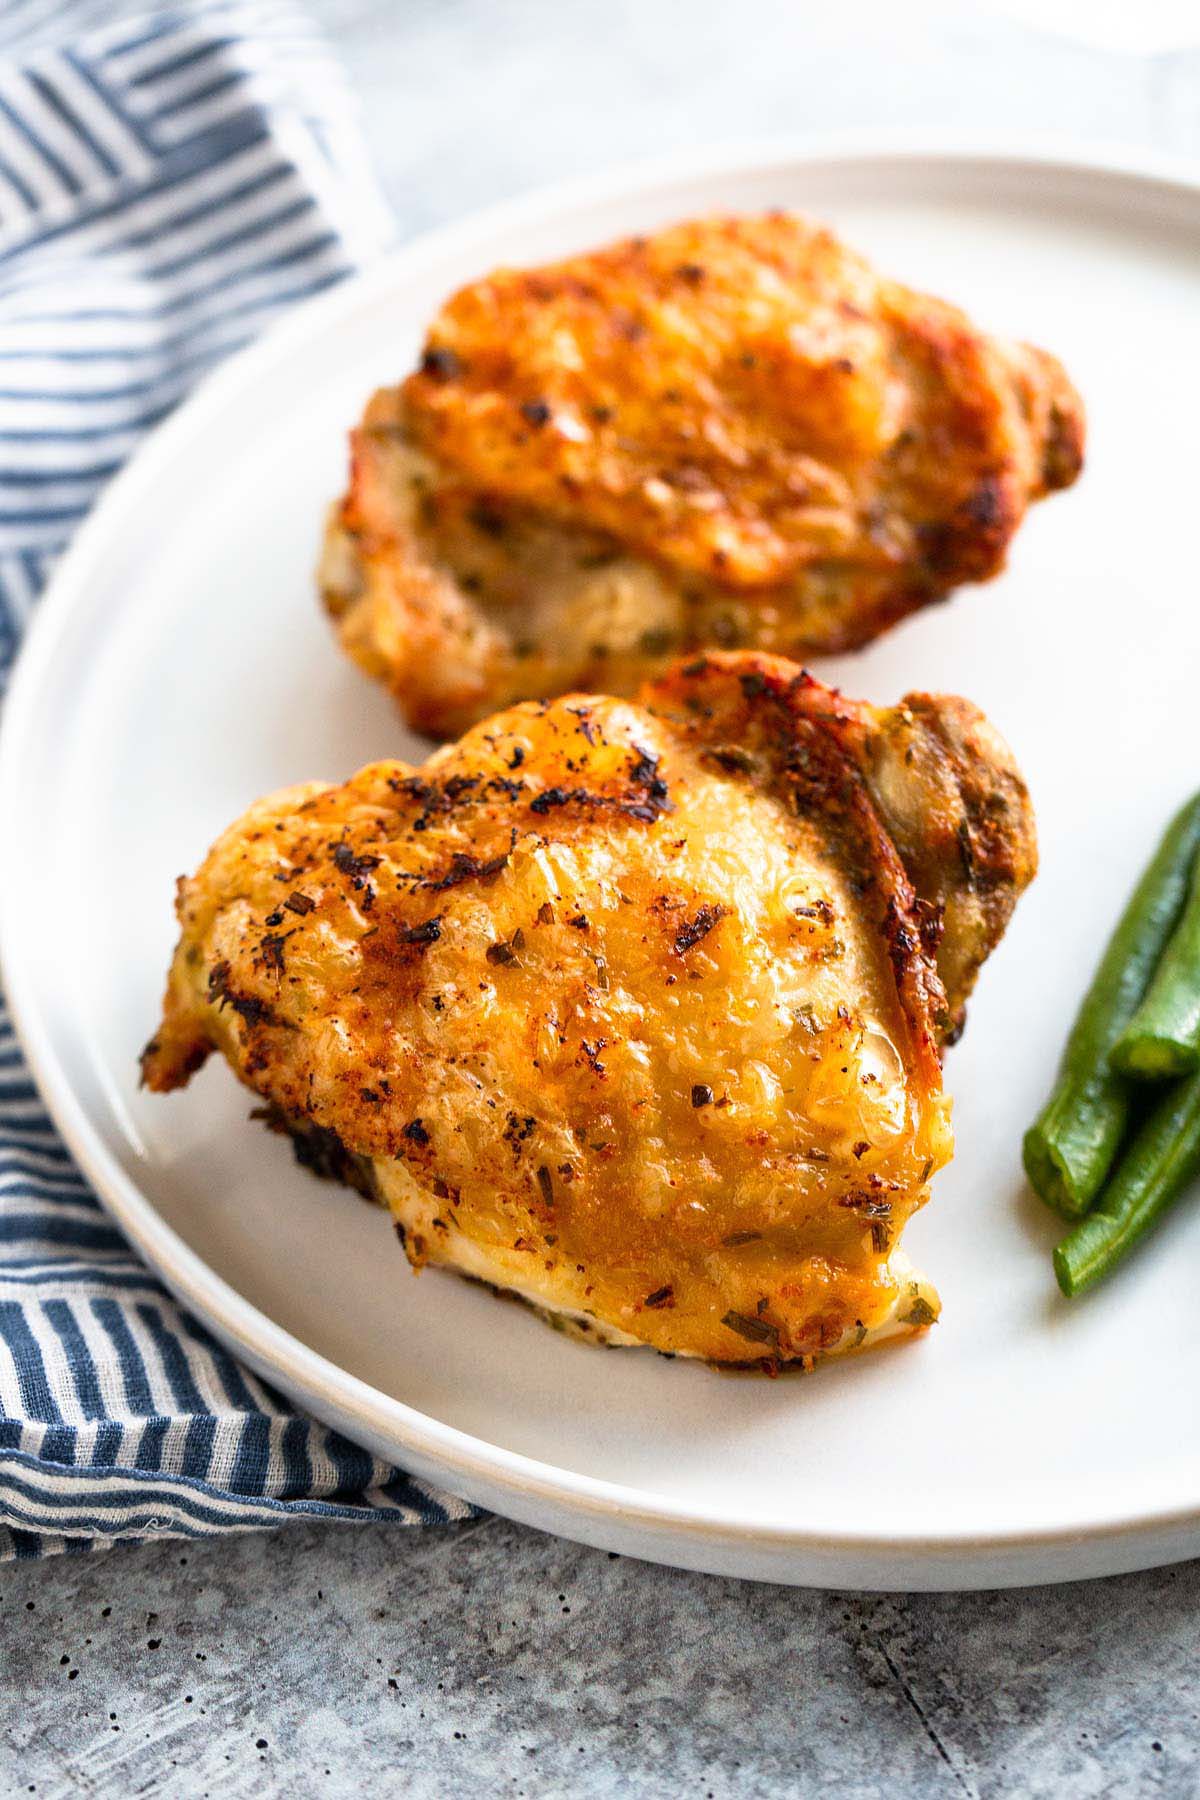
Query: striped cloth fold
{"points": [[168, 184]]}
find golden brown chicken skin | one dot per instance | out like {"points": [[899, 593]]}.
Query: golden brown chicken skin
{"points": [[633, 1009], [732, 433]]}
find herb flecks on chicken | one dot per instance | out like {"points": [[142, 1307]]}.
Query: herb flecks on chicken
{"points": [[632, 1008], [731, 433]]}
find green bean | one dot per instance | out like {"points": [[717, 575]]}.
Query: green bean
{"points": [[1163, 1157], [1163, 1037], [1070, 1147]]}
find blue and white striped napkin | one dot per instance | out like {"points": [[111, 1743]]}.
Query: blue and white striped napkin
{"points": [[168, 184]]}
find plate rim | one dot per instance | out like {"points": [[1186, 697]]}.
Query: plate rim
{"points": [[467, 1464]]}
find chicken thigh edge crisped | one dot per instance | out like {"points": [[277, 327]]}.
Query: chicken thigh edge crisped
{"points": [[730, 433], [632, 1009]]}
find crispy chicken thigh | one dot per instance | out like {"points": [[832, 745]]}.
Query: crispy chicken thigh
{"points": [[633, 1009], [731, 433]]}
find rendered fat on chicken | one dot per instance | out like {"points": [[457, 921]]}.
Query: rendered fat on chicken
{"points": [[732, 433], [634, 1010]]}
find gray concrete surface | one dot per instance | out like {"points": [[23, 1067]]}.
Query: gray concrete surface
{"points": [[467, 101], [486, 1659]]}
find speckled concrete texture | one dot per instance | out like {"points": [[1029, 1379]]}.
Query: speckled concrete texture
{"points": [[486, 1659]]}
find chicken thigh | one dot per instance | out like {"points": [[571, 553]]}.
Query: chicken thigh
{"points": [[631, 1008], [732, 433]]}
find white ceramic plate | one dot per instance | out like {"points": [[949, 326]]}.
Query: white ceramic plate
{"points": [[180, 668]]}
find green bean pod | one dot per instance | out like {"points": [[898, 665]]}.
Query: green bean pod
{"points": [[1163, 1158], [1163, 1037], [1070, 1147]]}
